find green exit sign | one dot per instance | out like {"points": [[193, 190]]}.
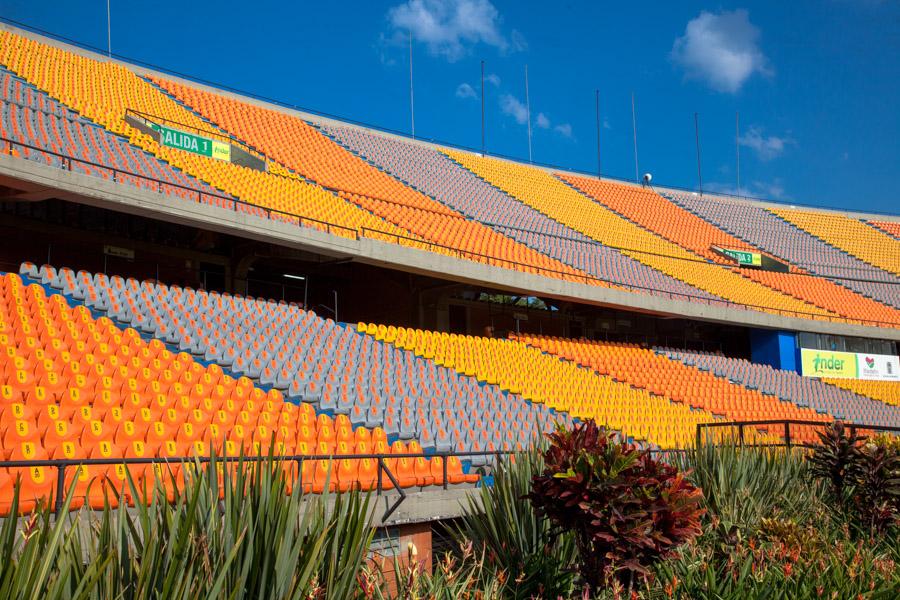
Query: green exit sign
{"points": [[743, 258], [189, 142]]}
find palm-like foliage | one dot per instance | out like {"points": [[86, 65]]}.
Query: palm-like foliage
{"points": [[501, 522]]}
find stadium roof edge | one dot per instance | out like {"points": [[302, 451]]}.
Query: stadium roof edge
{"points": [[324, 118]]}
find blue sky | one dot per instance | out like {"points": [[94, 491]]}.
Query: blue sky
{"points": [[815, 82]]}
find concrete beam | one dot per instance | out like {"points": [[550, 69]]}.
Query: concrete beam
{"points": [[126, 198]]}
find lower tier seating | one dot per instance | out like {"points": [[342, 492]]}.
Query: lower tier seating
{"points": [[78, 387], [679, 382], [316, 360], [788, 385]]}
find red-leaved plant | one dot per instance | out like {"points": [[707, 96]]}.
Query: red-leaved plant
{"points": [[625, 508]]}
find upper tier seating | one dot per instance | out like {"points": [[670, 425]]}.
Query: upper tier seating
{"points": [[78, 387], [30, 117], [788, 385], [103, 91], [892, 227], [556, 199], [663, 217], [428, 170], [316, 360], [851, 235], [886, 391], [547, 380], [767, 231], [300, 147], [660, 375]]}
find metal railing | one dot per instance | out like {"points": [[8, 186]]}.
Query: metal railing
{"points": [[782, 428], [382, 469], [66, 162]]}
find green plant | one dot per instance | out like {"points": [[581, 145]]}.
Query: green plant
{"points": [[626, 509], [863, 477], [258, 541], [742, 486], [519, 546]]}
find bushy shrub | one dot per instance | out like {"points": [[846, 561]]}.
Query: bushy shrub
{"points": [[863, 477], [626, 509]]}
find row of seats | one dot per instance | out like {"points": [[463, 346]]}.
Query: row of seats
{"points": [[763, 229], [546, 380], [851, 235], [315, 360], [662, 376], [78, 387], [558, 200], [886, 391], [103, 91], [660, 216], [891, 227], [426, 169], [789, 385], [31, 118], [303, 149]]}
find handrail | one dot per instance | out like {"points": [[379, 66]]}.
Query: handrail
{"points": [[61, 464], [786, 423], [356, 233]]}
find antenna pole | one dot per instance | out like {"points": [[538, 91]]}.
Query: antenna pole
{"points": [[697, 139], [528, 114], [597, 110], [634, 132], [412, 102], [737, 147], [108, 31], [482, 107]]}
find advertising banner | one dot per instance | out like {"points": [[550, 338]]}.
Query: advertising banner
{"points": [[849, 365]]}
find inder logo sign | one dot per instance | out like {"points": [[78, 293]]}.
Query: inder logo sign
{"points": [[848, 365]]}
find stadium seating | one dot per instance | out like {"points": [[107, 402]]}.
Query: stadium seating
{"points": [[75, 386], [661, 216], [828, 295], [546, 380], [891, 227], [788, 385], [664, 377], [886, 391], [31, 118], [765, 230], [314, 360], [851, 235], [429, 171], [556, 199], [300, 147]]}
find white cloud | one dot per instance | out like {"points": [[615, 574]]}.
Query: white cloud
{"points": [[512, 106], [450, 27], [771, 190], [518, 41], [542, 121], [493, 79], [766, 147], [606, 124], [720, 49], [564, 129], [464, 90]]}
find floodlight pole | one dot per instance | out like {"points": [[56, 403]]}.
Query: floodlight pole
{"points": [[412, 102], [634, 133], [737, 147], [597, 110], [697, 139], [528, 114], [482, 107], [108, 31]]}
